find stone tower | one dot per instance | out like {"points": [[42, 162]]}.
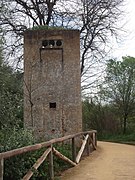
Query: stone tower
{"points": [[52, 93]]}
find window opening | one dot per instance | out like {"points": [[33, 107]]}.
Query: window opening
{"points": [[59, 43], [51, 43], [52, 105], [44, 43]]}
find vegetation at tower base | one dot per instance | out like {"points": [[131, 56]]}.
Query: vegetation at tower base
{"points": [[16, 167]]}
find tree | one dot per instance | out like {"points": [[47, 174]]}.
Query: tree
{"points": [[119, 87], [93, 115], [96, 20], [101, 117], [11, 96]]}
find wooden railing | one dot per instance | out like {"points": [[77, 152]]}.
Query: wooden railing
{"points": [[89, 138]]}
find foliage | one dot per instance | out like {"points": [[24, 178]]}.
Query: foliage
{"points": [[91, 115], [15, 138], [12, 140], [60, 165], [100, 117], [112, 111], [119, 138], [119, 87], [16, 167], [11, 97]]}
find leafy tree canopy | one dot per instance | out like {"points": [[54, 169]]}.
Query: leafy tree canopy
{"points": [[119, 86]]}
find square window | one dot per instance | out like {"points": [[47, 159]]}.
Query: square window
{"points": [[52, 105]]}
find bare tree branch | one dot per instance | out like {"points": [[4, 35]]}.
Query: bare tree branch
{"points": [[96, 20]]}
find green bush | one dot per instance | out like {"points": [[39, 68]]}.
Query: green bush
{"points": [[12, 139], [16, 167], [59, 164]]}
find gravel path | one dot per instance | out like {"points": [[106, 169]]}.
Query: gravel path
{"points": [[111, 161]]}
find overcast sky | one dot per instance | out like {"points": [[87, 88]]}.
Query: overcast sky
{"points": [[127, 45]]}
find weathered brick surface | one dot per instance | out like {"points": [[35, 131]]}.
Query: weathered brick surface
{"points": [[52, 75]]}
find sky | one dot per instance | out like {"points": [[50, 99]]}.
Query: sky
{"points": [[126, 47], [126, 44]]}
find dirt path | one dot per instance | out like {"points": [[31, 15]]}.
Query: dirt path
{"points": [[109, 162]]}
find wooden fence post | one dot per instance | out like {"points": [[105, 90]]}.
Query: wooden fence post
{"points": [[94, 139], [1, 168], [88, 146], [82, 149], [73, 150], [51, 167]]}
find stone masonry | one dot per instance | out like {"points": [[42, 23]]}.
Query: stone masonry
{"points": [[52, 92]]}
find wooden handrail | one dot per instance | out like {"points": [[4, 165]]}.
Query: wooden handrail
{"points": [[90, 138], [41, 145]]}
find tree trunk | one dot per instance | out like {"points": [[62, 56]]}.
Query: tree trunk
{"points": [[125, 124]]}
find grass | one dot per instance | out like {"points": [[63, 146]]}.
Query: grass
{"points": [[120, 138]]}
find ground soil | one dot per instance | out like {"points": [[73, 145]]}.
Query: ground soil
{"points": [[111, 161]]}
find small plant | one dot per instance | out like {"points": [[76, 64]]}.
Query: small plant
{"points": [[39, 27], [59, 164], [45, 27]]}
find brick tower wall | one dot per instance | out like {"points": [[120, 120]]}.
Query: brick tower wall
{"points": [[52, 93]]}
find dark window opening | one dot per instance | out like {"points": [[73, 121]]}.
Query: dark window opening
{"points": [[52, 105], [53, 130], [44, 43], [51, 43], [59, 43]]}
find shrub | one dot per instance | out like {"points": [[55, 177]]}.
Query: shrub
{"points": [[16, 167]]}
